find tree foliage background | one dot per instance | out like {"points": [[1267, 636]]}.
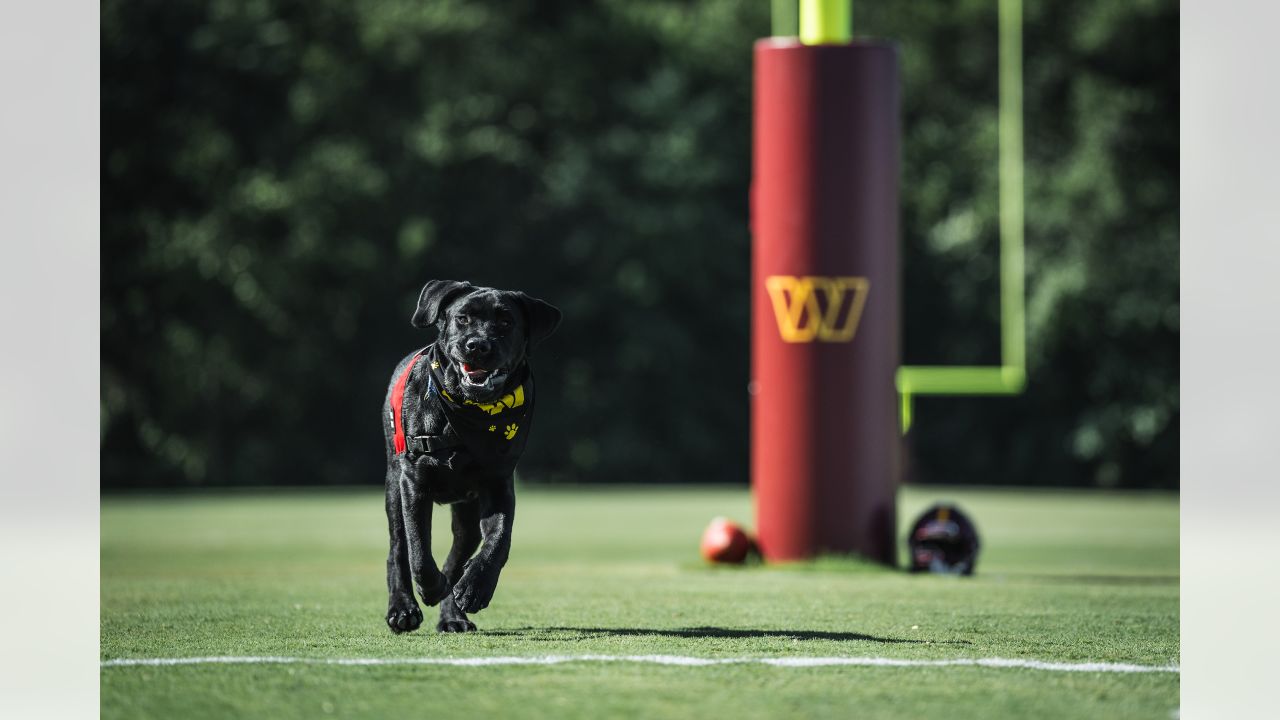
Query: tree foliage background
{"points": [[281, 177]]}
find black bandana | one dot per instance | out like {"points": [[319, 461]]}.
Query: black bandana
{"points": [[494, 433]]}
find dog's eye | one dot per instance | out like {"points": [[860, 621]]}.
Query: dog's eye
{"points": [[504, 322], [463, 319]]}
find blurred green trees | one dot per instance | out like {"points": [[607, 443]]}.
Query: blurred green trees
{"points": [[279, 178]]}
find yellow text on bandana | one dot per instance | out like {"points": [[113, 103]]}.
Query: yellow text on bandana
{"points": [[510, 400]]}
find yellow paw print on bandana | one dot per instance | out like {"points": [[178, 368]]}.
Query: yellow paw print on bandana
{"points": [[511, 431], [492, 428]]}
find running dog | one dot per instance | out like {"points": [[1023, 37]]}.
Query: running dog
{"points": [[456, 418]]}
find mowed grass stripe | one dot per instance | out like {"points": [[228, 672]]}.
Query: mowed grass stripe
{"points": [[682, 660]]}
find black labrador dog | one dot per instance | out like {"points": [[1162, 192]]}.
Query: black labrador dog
{"points": [[456, 419]]}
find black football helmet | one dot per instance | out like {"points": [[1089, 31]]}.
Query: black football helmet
{"points": [[943, 540]]}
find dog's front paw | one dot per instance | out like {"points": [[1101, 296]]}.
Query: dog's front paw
{"points": [[435, 589], [455, 625], [452, 620], [475, 588], [403, 614]]}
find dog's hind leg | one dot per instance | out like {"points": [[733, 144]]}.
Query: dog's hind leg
{"points": [[466, 538], [403, 613]]}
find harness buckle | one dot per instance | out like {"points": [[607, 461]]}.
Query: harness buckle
{"points": [[423, 444]]}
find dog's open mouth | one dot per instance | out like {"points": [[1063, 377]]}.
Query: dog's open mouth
{"points": [[476, 376]]}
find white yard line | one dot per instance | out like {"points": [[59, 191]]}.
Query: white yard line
{"points": [[683, 660]]}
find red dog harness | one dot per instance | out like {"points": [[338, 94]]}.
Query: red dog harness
{"points": [[397, 402], [496, 432]]}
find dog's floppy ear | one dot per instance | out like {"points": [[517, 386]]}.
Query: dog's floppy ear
{"points": [[436, 296], [543, 317]]}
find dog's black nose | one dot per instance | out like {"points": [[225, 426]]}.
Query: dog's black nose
{"points": [[480, 346]]}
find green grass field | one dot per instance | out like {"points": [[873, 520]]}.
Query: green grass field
{"points": [[1063, 576]]}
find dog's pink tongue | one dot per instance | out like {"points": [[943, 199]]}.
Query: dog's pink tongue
{"points": [[473, 371]]}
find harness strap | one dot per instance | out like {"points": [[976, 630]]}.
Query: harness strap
{"points": [[397, 402], [417, 444], [420, 444]]}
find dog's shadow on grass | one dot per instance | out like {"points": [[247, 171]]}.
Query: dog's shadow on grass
{"points": [[558, 634]]}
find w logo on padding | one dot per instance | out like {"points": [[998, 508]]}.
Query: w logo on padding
{"points": [[826, 309]]}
